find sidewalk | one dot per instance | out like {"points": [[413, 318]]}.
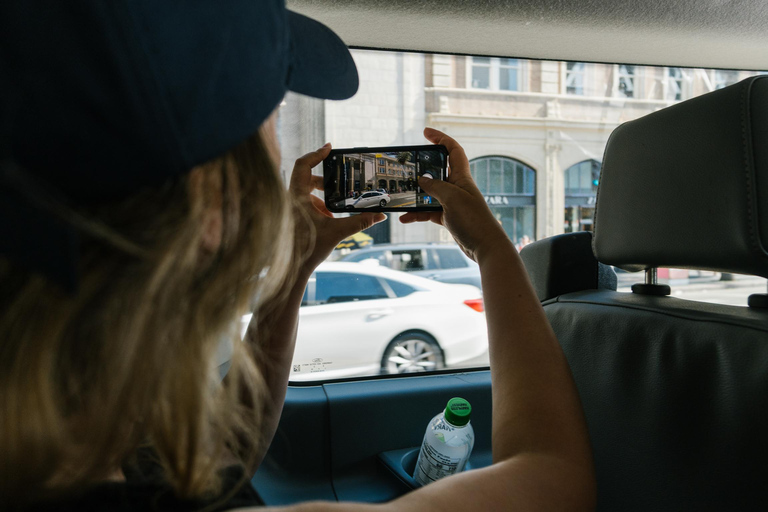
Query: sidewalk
{"points": [[627, 279]]}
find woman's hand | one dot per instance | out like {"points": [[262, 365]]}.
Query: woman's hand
{"points": [[312, 212], [465, 213]]}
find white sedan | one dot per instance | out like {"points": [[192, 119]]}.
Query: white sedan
{"points": [[369, 200], [358, 320]]}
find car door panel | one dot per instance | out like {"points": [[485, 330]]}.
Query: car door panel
{"points": [[330, 435]]}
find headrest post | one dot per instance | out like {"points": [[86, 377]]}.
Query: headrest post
{"points": [[651, 286]]}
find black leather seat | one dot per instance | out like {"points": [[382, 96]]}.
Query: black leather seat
{"points": [[675, 392]]}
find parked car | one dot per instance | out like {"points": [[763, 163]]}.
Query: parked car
{"points": [[442, 262], [359, 320], [367, 200]]}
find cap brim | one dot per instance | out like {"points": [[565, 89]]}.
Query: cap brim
{"points": [[321, 65]]}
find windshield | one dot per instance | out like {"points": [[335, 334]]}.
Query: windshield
{"points": [[401, 299]]}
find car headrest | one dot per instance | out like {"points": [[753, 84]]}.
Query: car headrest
{"points": [[563, 264], [687, 186]]}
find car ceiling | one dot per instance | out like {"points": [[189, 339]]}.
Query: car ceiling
{"points": [[697, 33]]}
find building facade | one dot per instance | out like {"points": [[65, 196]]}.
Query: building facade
{"points": [[534, 131]]}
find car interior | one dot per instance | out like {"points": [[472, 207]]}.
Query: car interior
{"points": [[672, 389]]}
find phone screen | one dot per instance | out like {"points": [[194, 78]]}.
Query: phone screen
{"points": [[382, 179]]}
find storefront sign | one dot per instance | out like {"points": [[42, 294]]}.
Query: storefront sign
{"points": [[496, 200]]}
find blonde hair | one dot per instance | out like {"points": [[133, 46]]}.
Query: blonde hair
{"points": [[86, 379]]}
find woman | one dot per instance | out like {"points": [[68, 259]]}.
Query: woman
{"points": [[143, 212]]}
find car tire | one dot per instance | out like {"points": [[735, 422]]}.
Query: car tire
{"points": [[382, 203], [412, 352]]}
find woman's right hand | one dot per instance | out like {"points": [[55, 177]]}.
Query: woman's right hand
{"points": [[465, 213]]}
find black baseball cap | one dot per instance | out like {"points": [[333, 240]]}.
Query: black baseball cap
{"points": [[99, 98]]}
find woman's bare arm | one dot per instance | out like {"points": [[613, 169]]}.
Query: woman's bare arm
{"points": [[314, 223]]}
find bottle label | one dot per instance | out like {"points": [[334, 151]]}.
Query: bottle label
{"points": [[434, 465]]}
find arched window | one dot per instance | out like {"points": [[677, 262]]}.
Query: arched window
{"points": [[581, 179], [581, 182], [509, 187]]}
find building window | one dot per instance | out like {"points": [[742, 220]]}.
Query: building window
{"points": [[626, 81], [725, 77], [674, 86], [509, 187], [481, 72], [496, 74], [581, 181], [574, 78], [509, 74]]}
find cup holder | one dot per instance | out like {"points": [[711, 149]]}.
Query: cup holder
{"points": [[402, 464]]}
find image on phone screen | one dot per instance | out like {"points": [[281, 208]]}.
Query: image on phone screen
{"points": [[382, 179]]}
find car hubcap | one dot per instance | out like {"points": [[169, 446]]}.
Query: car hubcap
{"points": [[412, 356]]}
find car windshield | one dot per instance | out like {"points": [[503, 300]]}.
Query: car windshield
{"points": [[400, 299]]}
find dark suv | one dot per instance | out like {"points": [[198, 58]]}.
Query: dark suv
{"points": [[443, 262]]}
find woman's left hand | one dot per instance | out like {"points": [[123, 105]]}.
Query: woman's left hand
{"points": [[329, 231]]}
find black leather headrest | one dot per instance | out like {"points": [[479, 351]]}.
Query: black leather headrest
{"points": [[563, 264], [687, 186]]}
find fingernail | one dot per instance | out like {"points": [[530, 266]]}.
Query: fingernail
{"points": [[380, 217]]}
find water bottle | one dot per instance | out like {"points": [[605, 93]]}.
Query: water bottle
{"points": [[447, 443]]}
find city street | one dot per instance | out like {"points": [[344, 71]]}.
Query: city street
{"points": [[708, 289], [703, 289], [403, 199]]}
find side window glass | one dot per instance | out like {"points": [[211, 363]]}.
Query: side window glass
{"points": [[449, 258], [368, 255], [335, 287], [407, 260], [400, 289], [380, 256]]}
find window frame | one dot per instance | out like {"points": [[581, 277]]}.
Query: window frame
{"points": [[585, 78], [634, 77], [494, 77], [684, 89]]}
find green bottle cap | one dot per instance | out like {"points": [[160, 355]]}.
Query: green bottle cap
{"points": [[457, 412]]}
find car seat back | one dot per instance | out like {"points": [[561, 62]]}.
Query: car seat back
{"points": [[675, 392]]}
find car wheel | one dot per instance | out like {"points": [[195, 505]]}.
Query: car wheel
{"points": [[412, 352], [382, 203]]}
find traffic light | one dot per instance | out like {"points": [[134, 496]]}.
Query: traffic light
{"points": [[596, 172]]}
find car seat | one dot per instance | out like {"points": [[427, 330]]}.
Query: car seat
{"points": [[675, 392]]}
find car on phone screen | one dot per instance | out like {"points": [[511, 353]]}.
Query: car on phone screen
{"points": [[357, 320], [369, 200], [444, 262]]}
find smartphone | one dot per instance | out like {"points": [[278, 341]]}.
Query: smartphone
{"points": [[384, 179]]}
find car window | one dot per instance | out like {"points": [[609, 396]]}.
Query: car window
{"points": [[534, 133], [448, 258], [380, 256], [335, 287], [408, 260], [400, 289]]}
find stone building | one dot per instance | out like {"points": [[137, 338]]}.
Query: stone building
{"points": [[534, 131]]}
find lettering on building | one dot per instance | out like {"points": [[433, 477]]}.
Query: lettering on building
{"points": [[496, 200]]}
